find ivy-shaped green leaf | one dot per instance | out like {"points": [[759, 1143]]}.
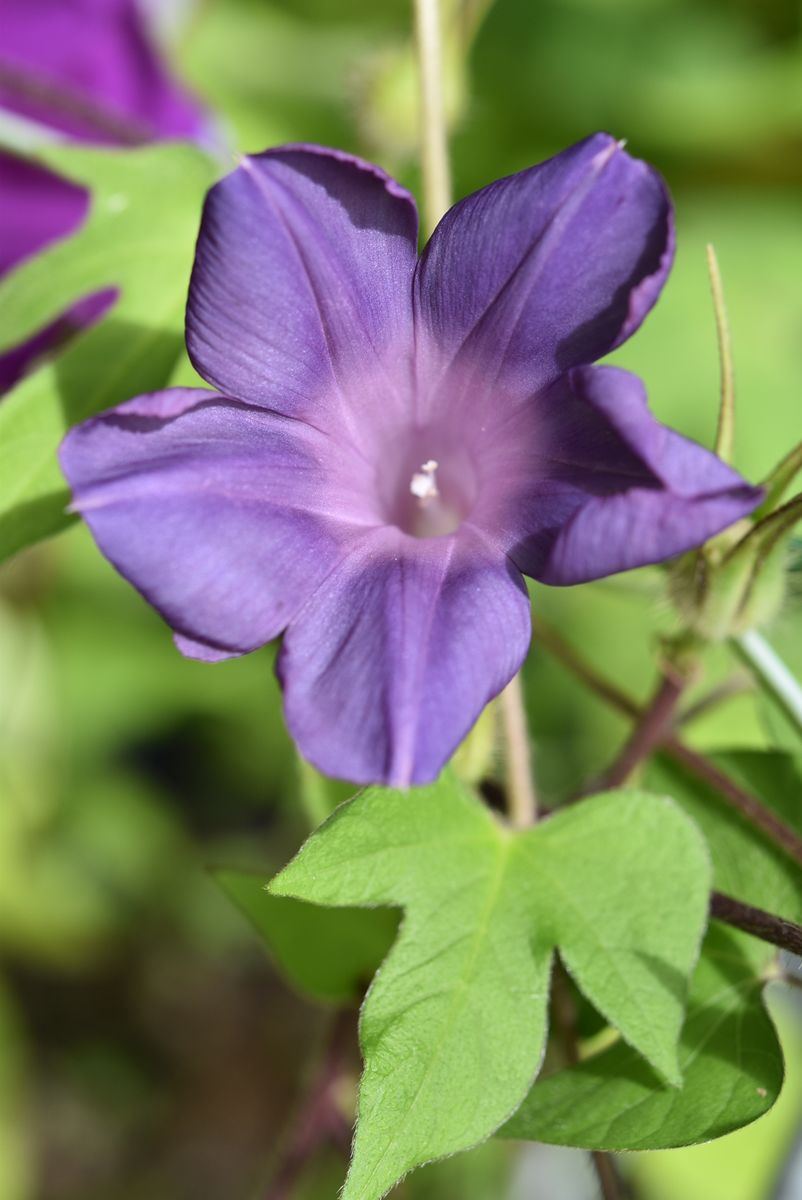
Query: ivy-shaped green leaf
{"points": [[729, 1051], [330, 953], [139, 238], [730, 1058], [454, 1025]]}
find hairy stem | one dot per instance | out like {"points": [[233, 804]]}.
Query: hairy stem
{"points": [[520, 785], [764, 925], [748, 805], [651, 729], [772, 674], [607, 1175], [433, 133]]}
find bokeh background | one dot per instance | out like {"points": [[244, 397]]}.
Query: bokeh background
{"points": [[149, 1049]]}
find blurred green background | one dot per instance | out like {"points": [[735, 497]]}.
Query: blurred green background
{"points": [[148, 1049]]}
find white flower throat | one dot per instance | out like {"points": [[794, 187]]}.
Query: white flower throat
{"points": [[426, 484]]}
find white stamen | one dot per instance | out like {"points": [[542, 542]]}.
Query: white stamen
{"points": [[424, 482]]}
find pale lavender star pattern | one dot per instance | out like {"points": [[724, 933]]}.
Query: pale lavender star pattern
{"points": [[395, 441]]}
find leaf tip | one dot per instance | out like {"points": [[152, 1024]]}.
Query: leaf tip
{"points": [[672, 1073]]}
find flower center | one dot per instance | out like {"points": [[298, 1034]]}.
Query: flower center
{"points": [[431, 487], [424, 482]]}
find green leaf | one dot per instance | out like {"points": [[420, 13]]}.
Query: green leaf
{"points": [[454, 1025], [139, 238], [329, 953], [729, 1052], [746, 863], [729, 1055]]}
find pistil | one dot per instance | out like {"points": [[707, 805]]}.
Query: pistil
{"points": [[423, 484]]}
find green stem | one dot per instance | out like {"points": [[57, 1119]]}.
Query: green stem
{"points": [[520, 789], [772, 674], [725, 435], [433, 133]]}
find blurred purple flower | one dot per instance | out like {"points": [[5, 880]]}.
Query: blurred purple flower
{"points": [[399, 439], [38, 207], [87, 69]]}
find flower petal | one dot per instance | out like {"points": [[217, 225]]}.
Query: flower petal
{"points": [[614, 488], [88, 68], [220, 514], [16, 363], [547, 269], [302, 275], [38, 207], [390, 663]]}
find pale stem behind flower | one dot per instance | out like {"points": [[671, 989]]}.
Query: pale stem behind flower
{"points": [[772, 673], [725, 435], [521, 797], [433, 135], [520, 786]]}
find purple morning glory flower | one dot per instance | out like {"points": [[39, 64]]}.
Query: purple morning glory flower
{"points": [[395, 441], [88, 69]]}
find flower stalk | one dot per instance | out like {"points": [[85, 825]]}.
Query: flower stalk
{"points": [[433, 133], [436, 180], [522, 804], [651, 729]]}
